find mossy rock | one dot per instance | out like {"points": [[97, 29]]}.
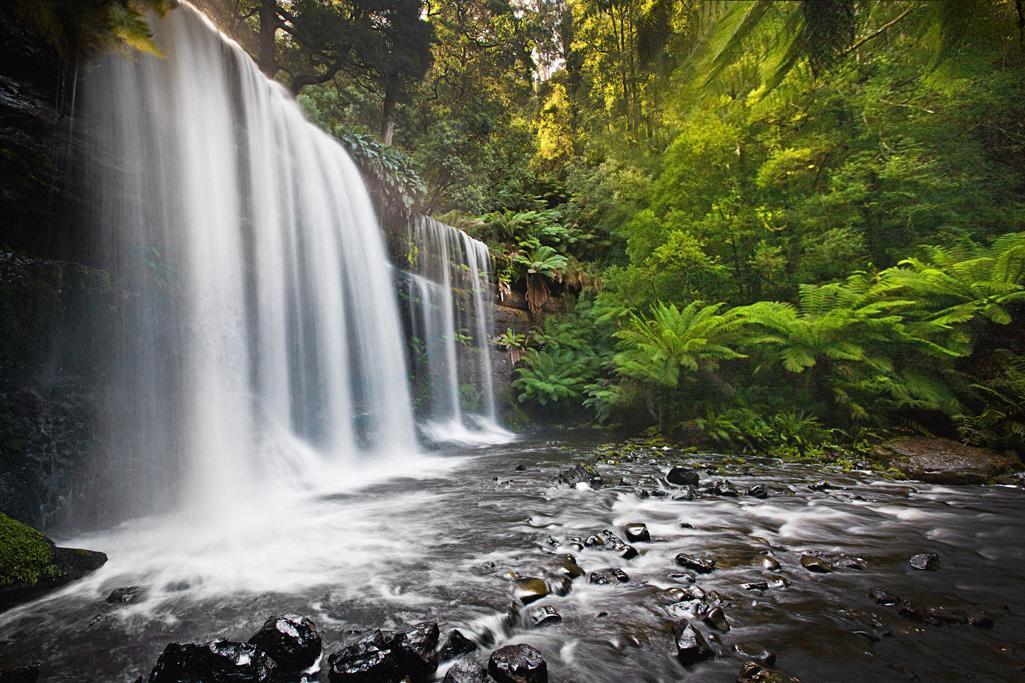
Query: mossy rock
{"points": [[26, 556]]}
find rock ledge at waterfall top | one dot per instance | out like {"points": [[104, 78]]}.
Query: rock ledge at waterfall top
{"points": [[942, 461]]}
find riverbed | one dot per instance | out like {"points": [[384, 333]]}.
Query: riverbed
{"points": [[442, 536]]}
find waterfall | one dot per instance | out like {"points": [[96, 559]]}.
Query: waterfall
{"points": [[260, 336], [452, 313]]}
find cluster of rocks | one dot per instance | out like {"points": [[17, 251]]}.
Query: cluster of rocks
{"points": [[289, 647]]}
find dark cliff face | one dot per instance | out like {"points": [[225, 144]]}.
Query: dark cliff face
{"points": [[38, 143], [51, 310]]}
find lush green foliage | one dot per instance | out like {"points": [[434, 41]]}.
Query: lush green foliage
{"points": [[81, 28], [25, 554]]}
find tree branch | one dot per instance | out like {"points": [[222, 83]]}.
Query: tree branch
{"points": [[879, 31]]}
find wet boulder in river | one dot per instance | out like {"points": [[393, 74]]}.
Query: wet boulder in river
{"points": [[545, 616], [636, 532], [580, 474], [291, 640], [701, 565], [518, 664], [925, 561], [530, 589], [416, 650], [815, 564], [758, 491], [721, 487], [368, 657], [456, 644], [467, 670], [682, 476], [219, 661], [126, 595], [604, 577], [943, 461], [691, 646]]}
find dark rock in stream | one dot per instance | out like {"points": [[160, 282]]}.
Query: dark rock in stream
{"points": [[291, 640], [758, 491], [369, 657], [544, 616], [716, 618], [416, 650], [682, 476], [701, 565], [530, 589], [518, 664], [752, 672], [883, 597], [636, 532], [820, 485], [771, 563], [219, 661], [721, 487], [604, 577], [456, 644], [691, 646], [815, 564], [925, 561], [467, 670], [580, 474], [126, 595]]}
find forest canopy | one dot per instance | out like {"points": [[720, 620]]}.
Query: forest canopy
{"points": [[767, 224]]}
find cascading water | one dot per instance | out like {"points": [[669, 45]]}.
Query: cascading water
{"points": [[261, 339], [451, 309]]}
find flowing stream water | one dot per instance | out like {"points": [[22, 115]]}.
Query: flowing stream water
{"points": [[435, 545]]}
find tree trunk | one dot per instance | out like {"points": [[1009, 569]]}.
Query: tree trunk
{"points": [[268, 27], [388, 113]]}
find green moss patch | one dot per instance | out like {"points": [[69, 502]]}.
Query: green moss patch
{"points": [[26, 556]]}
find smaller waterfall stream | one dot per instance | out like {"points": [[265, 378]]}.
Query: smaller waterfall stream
{"points": [[452, 318]]}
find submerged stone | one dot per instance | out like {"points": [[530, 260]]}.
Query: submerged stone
{"points": [[126, 595], [758, 491], [816, 564], [925, 561]]}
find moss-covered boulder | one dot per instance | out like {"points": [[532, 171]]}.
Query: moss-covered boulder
{"points": [[31, 565], [26, 556], [942, 461]]}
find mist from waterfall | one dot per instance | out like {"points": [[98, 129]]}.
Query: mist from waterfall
{"points": [[261, 340]]}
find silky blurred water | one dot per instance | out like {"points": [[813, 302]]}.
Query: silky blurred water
{"points": [[410, 546]]}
